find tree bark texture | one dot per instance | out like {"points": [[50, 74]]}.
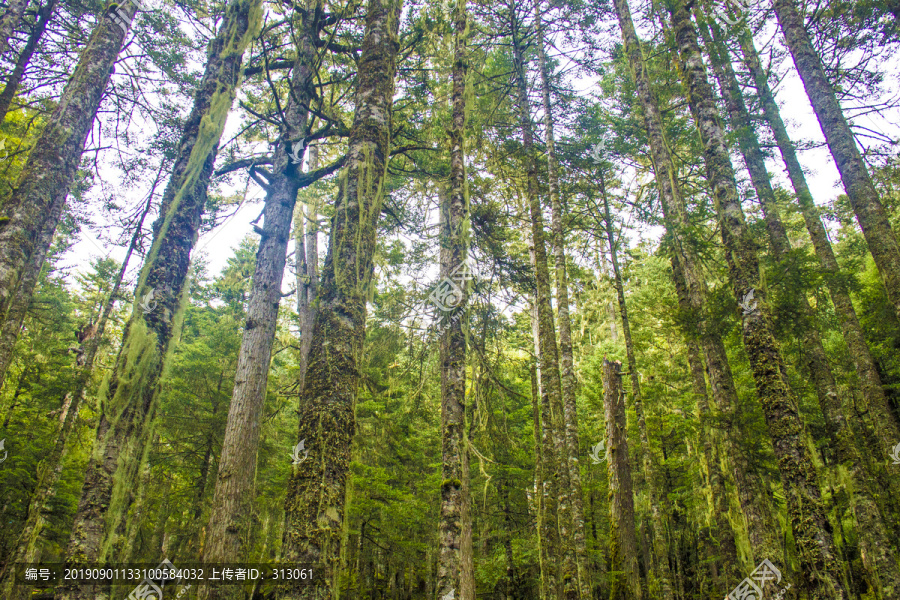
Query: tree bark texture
{"points": [[15, 78], [660, 543], [316, 490], [129, 395], [306, 238], [623, 551], [864, 198], [54, 160], [12, 18], [455, 562], [231, 517], [566, 361], [812, 531]]}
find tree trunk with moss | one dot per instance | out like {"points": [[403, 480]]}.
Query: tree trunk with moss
{"points": [[623, 552], [566, 361], [455, 561], [14, 79], [548, 357], [316, 500], [864, 198], [812, 532], [12, 18], [882, 428], [695, 321], [663, 585], [876, 550], [231, 519], [130, 393], [54, 160]]}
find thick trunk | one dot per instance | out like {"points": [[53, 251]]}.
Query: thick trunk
{"points": [[10, 328], [15, 78], [12, 18], [864, 199], [883, 426], [231, 516], [695, 321], [566, 361], [129, 395], [54, 160], [455, 564], [315, 500], [548, 357], [812, 531], [623, 552], [660, 543]]}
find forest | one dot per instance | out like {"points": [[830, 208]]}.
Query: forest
{"points": [[449, 299]]}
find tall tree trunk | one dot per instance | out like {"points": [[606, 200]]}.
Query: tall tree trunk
{"points": [[53, 162], [876, 550], [15, 78], [315, 500], [660, 543], [230, 520], [548, 356], [547, 569], [455, 566], [307, 266], [15, 10], [811, 528], [871, 215], [623, 552], [10, 328], [566, 362], [883, 426], [695, 320], [129, 395]]}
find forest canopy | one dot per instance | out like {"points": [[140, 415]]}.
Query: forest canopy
{"points": [[506, 300]]}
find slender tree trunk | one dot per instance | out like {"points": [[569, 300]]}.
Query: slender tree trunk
{"points": [[129, 396], [455, 566], [15, 78], [811, 529], [884, 423], [566, 362], [660, 543], [695, 319], [548, 356], [547, 572], [316, 490], [56, 156], [230, 520], [623, 551], [15, 10], [307, 266], [871, 215]]}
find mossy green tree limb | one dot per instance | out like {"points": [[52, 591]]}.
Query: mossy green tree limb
{"points": [[129, 395], [316, 497]]}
